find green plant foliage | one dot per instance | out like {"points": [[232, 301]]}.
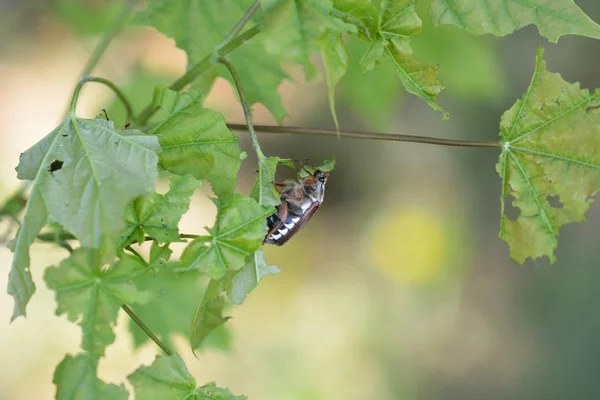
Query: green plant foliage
{"points": [[159, 255], [335, 61], [502, 17], [92, 295], [208, 315], [196, 141], [168, 378], [389, 31], [237, 233], [200, 26], [75, 378], [293, 27], [240, 283], [84, 173], [263, 190], [158, 215], [173, 304], [551, 150]]}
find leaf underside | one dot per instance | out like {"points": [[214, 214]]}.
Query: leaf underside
{"points": [[84, 173], [550, 162], [553, 18]]}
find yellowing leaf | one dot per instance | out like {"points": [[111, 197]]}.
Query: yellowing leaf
{"points": [[84, 173], [550, 161], [553, 18]]}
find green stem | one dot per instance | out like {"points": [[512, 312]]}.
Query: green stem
{"points": [[365, 135], [135, 253], [108, 36], [240, 25], [85, 79], [247, 113], [147, 330], [204, 65]]}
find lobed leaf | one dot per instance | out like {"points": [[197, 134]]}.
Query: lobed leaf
{"points": [[237, 233], [199, 27], [550, 161], [501, 17], [196, 141], [292, 28], [84, 173], [158, 215], [389, 29], [92, 295], [335, 61], [75, 378], [239, 284], [168, 378], [264, 190]]}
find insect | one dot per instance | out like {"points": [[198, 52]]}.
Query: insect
{"points": [[299, 201]]}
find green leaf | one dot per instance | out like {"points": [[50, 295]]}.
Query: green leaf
{"points": [[550, 161], [196, 141], [208, 315], [173, 305], [242, 282], [158, 215], [84, 173], [327, 166], [168, 378], [159, 255], [502, 17], [92, 294], [293, 28], [75, 378], [199, 26], [263, 190], [14, 204], [238, 232], [171, 101], [335, 61], [389, 31]]}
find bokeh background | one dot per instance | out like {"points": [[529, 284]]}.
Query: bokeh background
{"points": [[399, 288]]}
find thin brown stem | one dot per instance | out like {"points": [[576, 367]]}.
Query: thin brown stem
{"points": [[365, 135]]}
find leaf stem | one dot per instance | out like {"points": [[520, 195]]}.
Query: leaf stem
{"points": [[135, 253], [85, 79], [147, 330], [204, 65], [247, 113], [108, 36], [240, 25], [366, 135]]}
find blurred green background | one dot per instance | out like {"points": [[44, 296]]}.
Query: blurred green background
{"points": [[399, 288]]}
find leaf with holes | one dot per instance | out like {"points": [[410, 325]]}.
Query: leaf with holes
{"points": [[158, 215], [84, 174], [501, 17], [238, 232], [196, 141], [199, 26], [168, 378], [551, 149], [92, 294], [240, 283], [389, 29], [75, 378]]}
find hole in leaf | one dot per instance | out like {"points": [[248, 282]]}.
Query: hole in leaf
{"points": [[510, 210], [554, 201], [55, 166]]}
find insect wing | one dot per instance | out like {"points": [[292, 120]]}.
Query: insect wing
{"points": [[303, 219]]}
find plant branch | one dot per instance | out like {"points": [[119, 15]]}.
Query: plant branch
{"points": [[247, 113], [204, 65], [240, 25], [85, 79], [365, 135], [108, 36], [147, 330], [135, 253]]}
